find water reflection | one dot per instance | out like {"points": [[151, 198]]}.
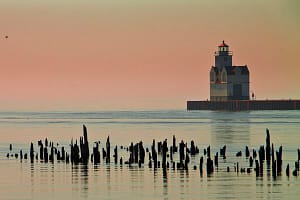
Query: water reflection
{"points": [[165, 183], [113, 182], [40, 180], [84, 176], [80, 179], [230, 128], [108, 178], [32, 178]]}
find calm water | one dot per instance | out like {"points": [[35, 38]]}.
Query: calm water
{"points": [[38, 180]]}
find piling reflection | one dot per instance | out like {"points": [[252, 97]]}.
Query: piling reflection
{"points": [[155, 177], [32, 177], [108, 177], [165, 183], [84, 175], [80, 178]]}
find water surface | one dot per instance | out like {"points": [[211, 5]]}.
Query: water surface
{"points": [[25, 180]]}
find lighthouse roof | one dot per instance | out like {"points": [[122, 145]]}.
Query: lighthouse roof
{"points": [[223, 44], [231, 69]]}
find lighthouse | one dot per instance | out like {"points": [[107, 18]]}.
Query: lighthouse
{"points": [[228, 82], [229, 88]]}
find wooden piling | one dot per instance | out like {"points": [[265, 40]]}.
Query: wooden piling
{"points": [[209, 166], [155, 158], [67, 158], [58, 155], [103, 153], [238, 154], [130, 153], [107, 150], [261, 154], [63, 153], [247, 152], [21, 154], [153, 147], [45, 154], [159, 147], [257, 168], [46, 142], [171, 153], [268, 147], [142, 152], [116, 154], [223, 152], [208, 151], [96, 153], [295, 173], [187, 161], [216, 160], [150, 164], [41, 151], [274, 170], [84, 146], [251, 162], [201, 165], [287, 170], [164, 153], [31, 152], [174, 144], [254, 154], [273, 157], [76, 157], [51, 157], [279, 160], [193, 148], [181, 152]]}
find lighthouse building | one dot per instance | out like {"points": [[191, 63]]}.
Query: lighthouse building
{"points": [[228, 82]]}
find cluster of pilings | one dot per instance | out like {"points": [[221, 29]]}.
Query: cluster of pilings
{"points": [[47, 152], [267, 154], [79, 153]]}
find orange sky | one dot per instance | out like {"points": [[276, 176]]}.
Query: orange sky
{"points": [[130, 54]]}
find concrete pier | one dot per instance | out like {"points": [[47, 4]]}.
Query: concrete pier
{"points": [[240, 105]]}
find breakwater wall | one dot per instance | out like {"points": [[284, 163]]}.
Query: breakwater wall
{"points": [[239, 105]]}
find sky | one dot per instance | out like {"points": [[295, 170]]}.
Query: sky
{"points": [[141, 54]]}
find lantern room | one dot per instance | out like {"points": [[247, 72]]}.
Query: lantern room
{"points": [[223, 47]]}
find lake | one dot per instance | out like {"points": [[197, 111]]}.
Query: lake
{"points": [[21, 179]]}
